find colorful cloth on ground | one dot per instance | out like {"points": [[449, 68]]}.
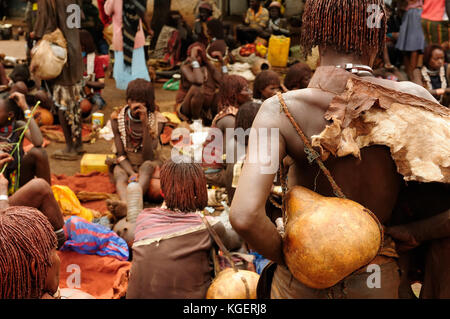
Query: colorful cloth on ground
{"points": [[132, 11], [436, 31], [92, 239], [259, 19], [69, 203], [155, 224], [102, 277], [434, 10]]}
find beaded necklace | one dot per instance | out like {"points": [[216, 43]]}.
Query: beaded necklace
{"points": [[358, 69], [127, 134], [426, 76]]}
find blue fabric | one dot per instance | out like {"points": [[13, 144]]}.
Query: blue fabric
{"points": [[93, 239], [260, 262], [138, 70], [411, 36], [98, 100]]}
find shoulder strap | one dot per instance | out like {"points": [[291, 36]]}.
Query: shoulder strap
{"points": [[218, 241], [309, 150]]}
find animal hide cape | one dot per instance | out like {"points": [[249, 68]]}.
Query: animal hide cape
{"points": [[416, 130]]}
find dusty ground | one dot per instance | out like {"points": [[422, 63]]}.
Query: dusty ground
{"points": [[114, 98]]}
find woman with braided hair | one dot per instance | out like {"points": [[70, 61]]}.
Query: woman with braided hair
{"points": [[234, 92], [29, 263], [172, 245]]}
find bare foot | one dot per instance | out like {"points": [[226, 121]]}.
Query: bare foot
{"points": [[117, 208]]}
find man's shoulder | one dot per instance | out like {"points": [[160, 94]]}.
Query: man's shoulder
{"points": [[271, 109], [414, 89]]}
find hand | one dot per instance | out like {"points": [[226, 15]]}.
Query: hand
{"points": [[5, 158], [440, 91], [194, 53], [142, 112], [20, 100], [217, 55], [3, 184], [404, 239]]}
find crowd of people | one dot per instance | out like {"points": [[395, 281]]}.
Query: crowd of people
{"points": [[170, 245]]}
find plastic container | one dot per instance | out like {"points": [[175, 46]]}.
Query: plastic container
{"points": [[94, 163], [278, 54], [98, 119], [135, 202]]}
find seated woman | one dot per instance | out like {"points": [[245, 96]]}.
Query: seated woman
{"points": [[244, 120], [234, 92], [277, 24], [36, 193], [267, 84], [200, 81], [25, 166], [137, 128], [94, 74], [298, 77], [205, 11], [434, 74], [172, 246]]}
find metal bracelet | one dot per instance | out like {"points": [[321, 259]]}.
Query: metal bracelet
{"points": [[195, 65]]}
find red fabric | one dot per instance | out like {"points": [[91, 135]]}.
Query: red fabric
{"points": [[99, 68], [98, 205], [101, 9], [93, 182], [433, 10], [102, 277]]}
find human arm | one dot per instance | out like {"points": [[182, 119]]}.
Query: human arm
{"points": [[217, 75], [248, 215], [98, 85], [229, 237], [124, 163], [34, 134], [3, 191], [147, 140], [247, 17], [264, 19], [109, 7], [411, 235], [4, 159], [44, 22], [193, 75]]}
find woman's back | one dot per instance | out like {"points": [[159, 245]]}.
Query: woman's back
{"points": [[170, 256]]}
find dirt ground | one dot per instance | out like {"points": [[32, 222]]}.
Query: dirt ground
{"points": [[113, 97]]}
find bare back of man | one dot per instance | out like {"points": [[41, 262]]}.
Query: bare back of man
{"points": [[372, 181]]}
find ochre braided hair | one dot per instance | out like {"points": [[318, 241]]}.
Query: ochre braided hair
{"points": [[184, 186], [230, 88], [26, 239], [343, 25]]}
